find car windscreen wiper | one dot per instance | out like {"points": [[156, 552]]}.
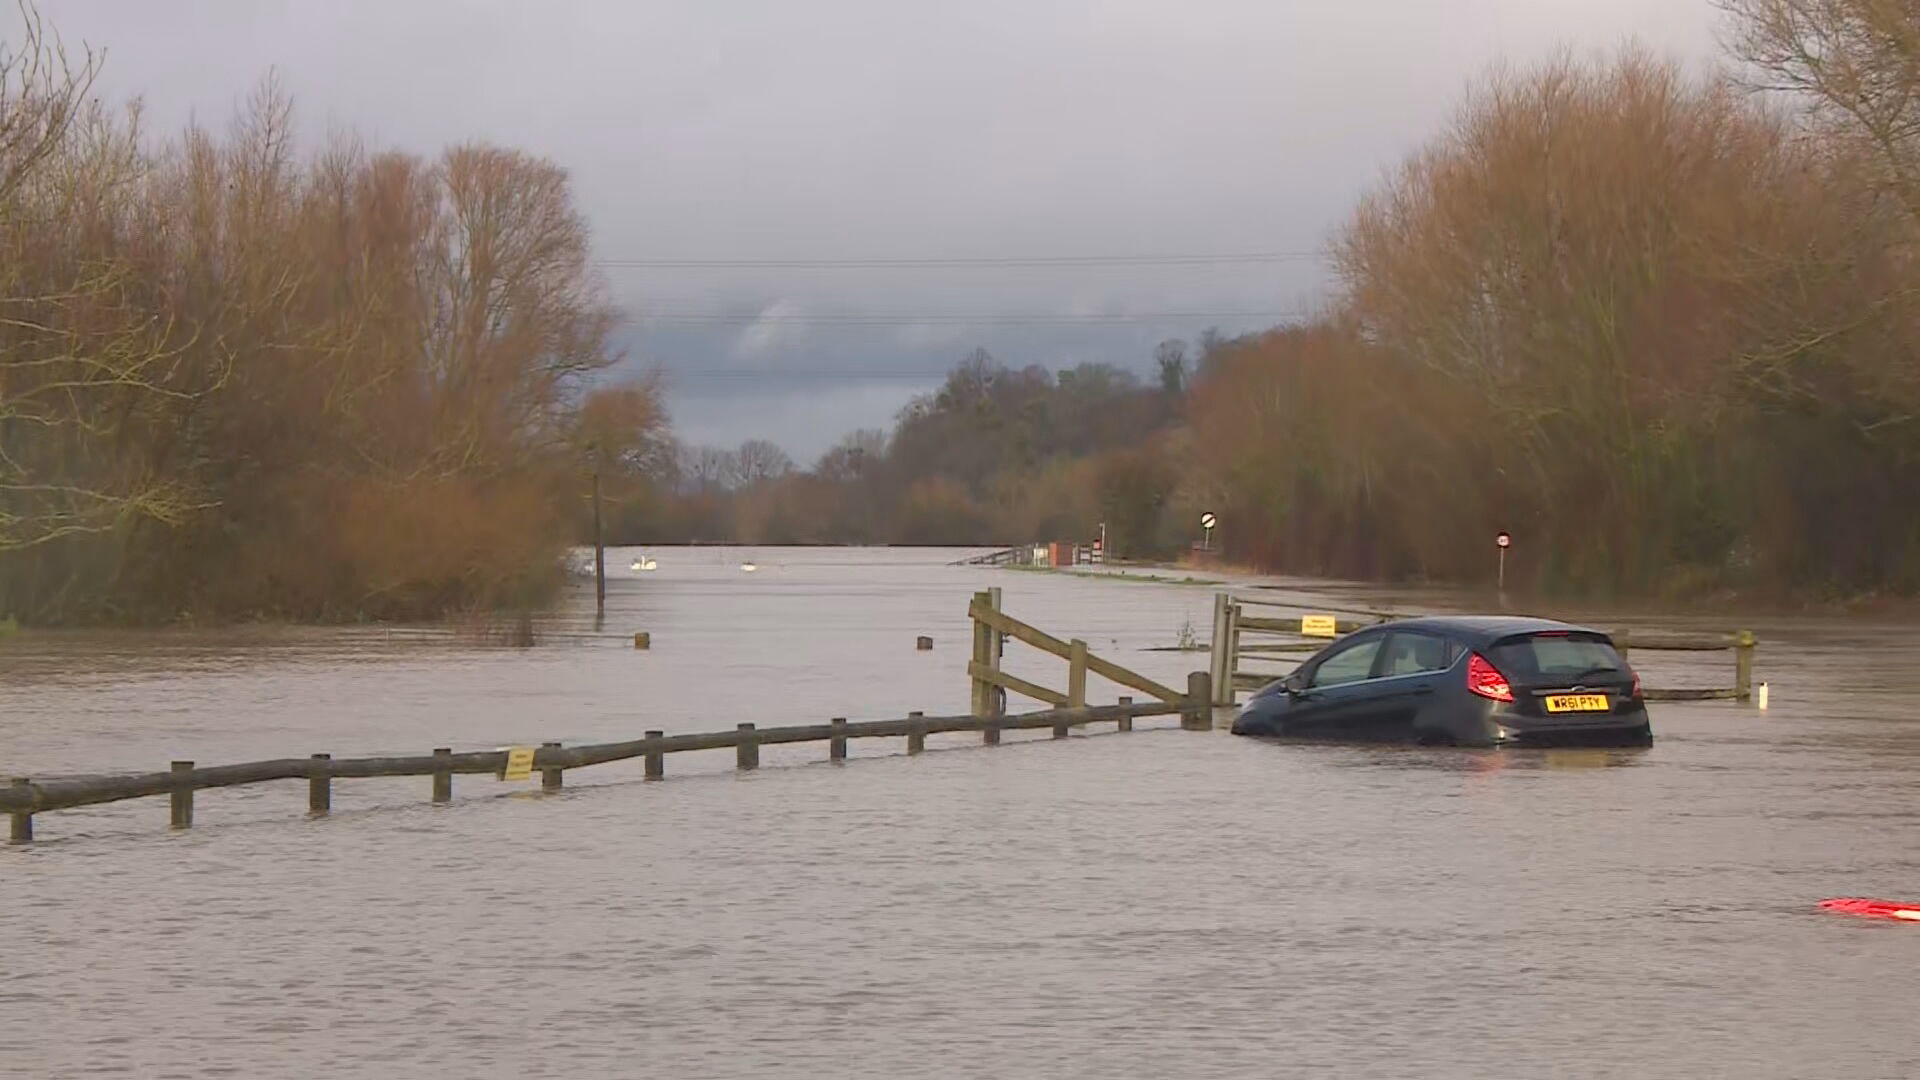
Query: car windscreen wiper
{"points": [[1591, 672]]}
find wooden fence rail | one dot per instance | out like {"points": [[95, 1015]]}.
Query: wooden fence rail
{"points": [[1230, 624], [25, 797]]}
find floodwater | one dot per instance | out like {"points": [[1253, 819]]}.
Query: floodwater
{"points": [[1155, 904]]}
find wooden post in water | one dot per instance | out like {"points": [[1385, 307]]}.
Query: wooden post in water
{"points": [[916, 732], [746, 755], [837, 742], [997, 648], [1076, 674], [550, 778], [1743, 644], [182, 798], [599, 553], [1076, 682], [1221, 667], [1224, 692], [982, 645], [1126, 722], [656, 761], [1197, 715], [22, 832], [319, 787], [985, 653], [443, 778]]}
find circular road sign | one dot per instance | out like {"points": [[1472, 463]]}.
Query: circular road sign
{"points": [[1504, 539], [1208, 521]]}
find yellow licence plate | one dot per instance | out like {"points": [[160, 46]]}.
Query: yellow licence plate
{"points": [[1579, 703]]}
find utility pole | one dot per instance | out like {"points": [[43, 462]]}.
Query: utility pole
{"points": [[599, 552]]}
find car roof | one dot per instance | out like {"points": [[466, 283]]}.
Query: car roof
{"points": [[1483, 630]]}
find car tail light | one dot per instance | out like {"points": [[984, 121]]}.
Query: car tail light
{"points": [[1485, 679]]}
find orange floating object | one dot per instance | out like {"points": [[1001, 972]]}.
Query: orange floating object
{"points": [[1873, 909]]}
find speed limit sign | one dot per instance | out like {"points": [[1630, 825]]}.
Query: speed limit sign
{"points": [[1504, 539], [1208, 521]]}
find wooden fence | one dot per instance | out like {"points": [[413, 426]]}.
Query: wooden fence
{"points": [[1296, 637], [24, 796], [992, 627]]}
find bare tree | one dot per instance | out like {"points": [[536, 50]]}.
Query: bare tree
{"points": [[79, 361], [758, 461], [1857, 61], [707, 469]]}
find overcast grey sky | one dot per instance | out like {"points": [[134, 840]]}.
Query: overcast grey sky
{"points": [[890, 129]]}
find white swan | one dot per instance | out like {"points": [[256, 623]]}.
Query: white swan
{"points": [[644, 563], [747, 567]]}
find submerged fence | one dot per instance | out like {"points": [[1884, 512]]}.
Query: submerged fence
{"points": [[25, 797], [1239, 638]]}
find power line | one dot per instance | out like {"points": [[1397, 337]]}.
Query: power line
{"points": [[963, 262], [802, 373], [948, 318]]}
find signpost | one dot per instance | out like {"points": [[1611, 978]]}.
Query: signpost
{"points": [[1503, 541], [1207, 522], [1319, 626]]}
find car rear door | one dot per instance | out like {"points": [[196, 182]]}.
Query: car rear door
{"points": [[1407, 675]]}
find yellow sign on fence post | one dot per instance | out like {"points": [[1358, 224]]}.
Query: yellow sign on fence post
{"points": [[1319, 626], [519, 763]]}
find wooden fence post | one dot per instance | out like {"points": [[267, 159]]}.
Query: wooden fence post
{"points": [[550, 778], [916, 732], [319, 787], [182, 799], [1743, 644], [22, 832], [982, 646], [746, 754], [443, 778], [997, 641], [656, 761], [1197, 714], [1225, 693], [1077, 674], [1126, 722], [837, 742], [1217, 654], [1076, 682]]}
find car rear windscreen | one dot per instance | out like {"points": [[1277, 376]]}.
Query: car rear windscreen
{"points": [[1555, 656]]}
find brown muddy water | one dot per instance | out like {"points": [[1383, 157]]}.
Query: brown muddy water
{"points": [[1159, 904]]}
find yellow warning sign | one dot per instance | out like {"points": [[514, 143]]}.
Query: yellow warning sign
{"points": [[519, 763], [1319, 626]]}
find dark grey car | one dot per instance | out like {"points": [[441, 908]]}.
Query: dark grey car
{"points": [[1463, 681]]}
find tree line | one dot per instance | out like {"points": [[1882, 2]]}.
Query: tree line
{"points": [[1658, 325], [236, 382]]}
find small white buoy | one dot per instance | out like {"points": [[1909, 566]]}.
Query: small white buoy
{"points": [[747, 567], [1763, 696]]}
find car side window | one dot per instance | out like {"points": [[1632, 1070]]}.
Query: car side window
{"points": [[1410, 653], [1349, 665]]}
